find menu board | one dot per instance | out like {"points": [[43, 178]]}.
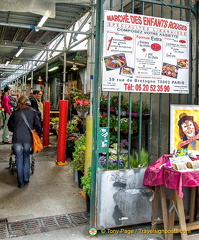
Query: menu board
{"points": [[145, 54]]}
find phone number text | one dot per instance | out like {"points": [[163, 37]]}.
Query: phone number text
{"points": [[146, 87]]}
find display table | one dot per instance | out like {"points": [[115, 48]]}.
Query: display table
{"points": [[157, 178]]}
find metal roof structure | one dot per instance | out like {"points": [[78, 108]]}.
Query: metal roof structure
{"points": [[19, 31]]}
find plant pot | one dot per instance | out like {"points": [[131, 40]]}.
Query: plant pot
{"points": [[123, 113], [69, 152], [82, 114], [87, 203], [80, 174], [75, 175]]}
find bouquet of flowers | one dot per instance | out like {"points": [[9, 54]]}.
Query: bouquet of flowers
{"points": [[82, 105]]}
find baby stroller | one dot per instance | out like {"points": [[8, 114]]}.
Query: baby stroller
{"points": [[12, 162]]}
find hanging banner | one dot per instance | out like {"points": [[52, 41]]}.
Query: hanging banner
{"points": [[145, 54]]}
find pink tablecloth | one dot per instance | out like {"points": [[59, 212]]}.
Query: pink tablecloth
{"points": [[171, 178]]}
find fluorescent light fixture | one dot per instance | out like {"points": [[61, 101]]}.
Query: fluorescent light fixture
{"points": [[29, 78], [53, 69], [7, 62], [74, 68], [19, 52], [41, 23]]}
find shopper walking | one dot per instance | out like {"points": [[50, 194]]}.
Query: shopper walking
{"points": [[22, 138], [7, 106], [35, 98]]}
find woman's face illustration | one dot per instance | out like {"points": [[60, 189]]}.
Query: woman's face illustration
{"points": [[188, 128]]}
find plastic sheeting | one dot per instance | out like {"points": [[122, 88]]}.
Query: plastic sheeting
{"points": [[41, 7]]}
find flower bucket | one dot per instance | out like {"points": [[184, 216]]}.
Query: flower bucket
{"points": [[123, 113], [87, 203], [82, 114], [80, 174]]}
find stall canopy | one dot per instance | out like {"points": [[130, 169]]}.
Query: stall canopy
{"points": [[23, 43]]}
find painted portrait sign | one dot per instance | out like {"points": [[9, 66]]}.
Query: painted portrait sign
{"points": [[145, 54], [184, 128]]}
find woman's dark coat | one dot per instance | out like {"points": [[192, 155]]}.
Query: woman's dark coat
{"points": [[16, 124]]}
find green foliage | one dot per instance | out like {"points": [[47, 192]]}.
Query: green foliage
{"points": [[104, 101], [124, 105], [76, 94], [55, 120], [124, 125], [114, 101], [86, 183], [103, 121], [72, 126], [134, 162], [79, 154], [136, 107]]}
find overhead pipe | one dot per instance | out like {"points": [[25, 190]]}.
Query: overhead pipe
{"points": [[30, 48], [43, 28]]}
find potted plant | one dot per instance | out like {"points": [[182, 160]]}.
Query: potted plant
{"points": [[103, 102], [70, 143], [54, 125], [124, 107], [79, 157], [86, 185], [124, 125], [82, 107], [72, 126], [134, 161], [136, 108], [114, 103]]}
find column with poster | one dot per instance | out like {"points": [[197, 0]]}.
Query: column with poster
{"points": [[145, 54]]}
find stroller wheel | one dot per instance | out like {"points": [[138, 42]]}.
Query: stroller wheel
{"points": [[10, 162], [32, 167], [12, 169]]}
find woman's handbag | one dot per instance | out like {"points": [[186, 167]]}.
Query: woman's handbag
{"points": [[36, 142], [37, 145]]}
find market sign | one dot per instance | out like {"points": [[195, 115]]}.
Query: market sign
{"points": [[145, 54]]}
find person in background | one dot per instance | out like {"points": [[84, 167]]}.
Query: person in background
{"points": [[34, 98], [7, 106], [13, 99], [22, 137], [41, 107]]}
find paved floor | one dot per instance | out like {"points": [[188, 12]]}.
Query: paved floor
{"points": [[52, 191]]}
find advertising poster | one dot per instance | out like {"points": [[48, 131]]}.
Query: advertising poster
{"points": [[145, 54], [184, 124]]}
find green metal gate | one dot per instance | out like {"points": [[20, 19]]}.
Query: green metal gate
{"points": [[153, 129]]}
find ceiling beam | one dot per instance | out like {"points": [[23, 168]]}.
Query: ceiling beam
{"points": [[28, 36], [3, 34], [16, 35], [40, 39]]}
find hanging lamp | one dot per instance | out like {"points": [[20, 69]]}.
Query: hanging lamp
{"points": [[74, 67]]}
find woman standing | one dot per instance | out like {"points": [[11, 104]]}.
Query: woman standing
{"points": [[22, 138]]}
